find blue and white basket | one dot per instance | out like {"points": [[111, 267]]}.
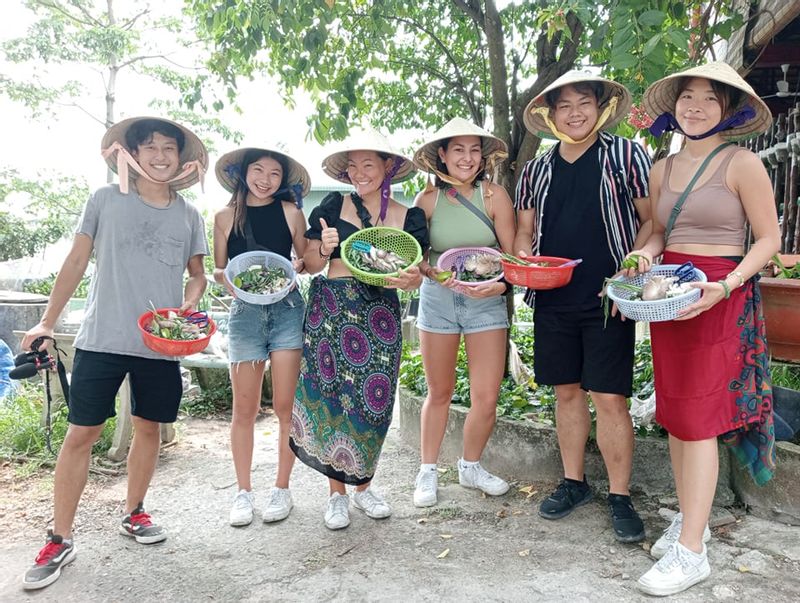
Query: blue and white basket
{"points": [[652, 311], [243, 261]]}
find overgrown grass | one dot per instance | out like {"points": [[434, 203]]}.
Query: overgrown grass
{"points": [[22, 434]]}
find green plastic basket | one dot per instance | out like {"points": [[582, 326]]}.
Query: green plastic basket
{"points": [[384, 237]]}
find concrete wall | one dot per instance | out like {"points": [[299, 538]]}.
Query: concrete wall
{"points": [[529, 451], [779, 499]]}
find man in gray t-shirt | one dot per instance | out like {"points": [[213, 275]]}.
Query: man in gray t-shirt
{"points": [[143, 235]]}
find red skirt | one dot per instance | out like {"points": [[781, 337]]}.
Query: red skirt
{"points": [[712, 372]]}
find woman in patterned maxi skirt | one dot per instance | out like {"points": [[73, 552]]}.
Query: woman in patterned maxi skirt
{"points": [[352, 341]]}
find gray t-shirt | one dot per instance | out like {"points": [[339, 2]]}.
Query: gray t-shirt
{"points": [[141, 253]]}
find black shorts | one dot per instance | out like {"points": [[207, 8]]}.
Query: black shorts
{"points": [[575, 347], [156, 387]]}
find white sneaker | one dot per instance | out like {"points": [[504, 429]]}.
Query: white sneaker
{"points": [[278, 506], [242, 509], [337, 515], [426, 485], [372, 503], [676, 571], [671, 535], [475, 476]]}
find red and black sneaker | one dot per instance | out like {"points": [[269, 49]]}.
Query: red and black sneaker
{"points": [[56, 553], [139, 525]]}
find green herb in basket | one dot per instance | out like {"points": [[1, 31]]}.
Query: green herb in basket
{"points": [[174, 326], [261, 280]]}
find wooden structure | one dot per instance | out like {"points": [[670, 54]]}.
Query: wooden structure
{"points": [[769, 39]]}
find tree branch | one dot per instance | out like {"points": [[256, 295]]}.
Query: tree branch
{"points": [[472, 9], [56, 7], [130, 22]]}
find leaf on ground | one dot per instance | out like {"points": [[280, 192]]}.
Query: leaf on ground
{"points": [[502, 513], [422, 520], [267, 433], [441, 469], [743, 568], [525, 553], [445, 536], [526, 489], [443, 554]]}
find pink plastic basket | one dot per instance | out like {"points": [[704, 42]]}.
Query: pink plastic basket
{"points": [[447, 261]]}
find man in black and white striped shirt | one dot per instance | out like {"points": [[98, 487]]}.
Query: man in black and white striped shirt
{"points": [[586, 197]]}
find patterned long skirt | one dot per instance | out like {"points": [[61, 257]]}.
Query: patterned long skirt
{"points": [[348, 376], [712, 372]]}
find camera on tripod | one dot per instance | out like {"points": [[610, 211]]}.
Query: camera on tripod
{"points": [[27, 364]]}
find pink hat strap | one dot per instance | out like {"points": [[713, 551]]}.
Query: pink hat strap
{"points": [[125, 161]]}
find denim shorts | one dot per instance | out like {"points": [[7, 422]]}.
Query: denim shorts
{"points": [[255, 331], [442, 310]]}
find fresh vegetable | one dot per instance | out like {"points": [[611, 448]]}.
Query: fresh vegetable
{"points": [[175, 327], [477, 267], [631, 262], [373, 259], [520, 262], [444, 275], [261, 280]]}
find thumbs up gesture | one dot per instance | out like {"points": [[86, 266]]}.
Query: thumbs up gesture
{"points": [[329, 239]]}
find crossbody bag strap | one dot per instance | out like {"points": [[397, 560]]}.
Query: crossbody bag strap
{"points": [[676, 210], [471, 207]]}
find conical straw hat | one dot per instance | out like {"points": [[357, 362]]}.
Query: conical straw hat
{"points": [[426, 156], [537, 125], [193, 148], [335, 164], [661, 95], [297, 173]]}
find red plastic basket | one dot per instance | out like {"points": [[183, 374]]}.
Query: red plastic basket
{"points": [[171, 347], [538, 277]]}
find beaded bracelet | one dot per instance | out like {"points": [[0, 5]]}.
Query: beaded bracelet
{"points": [[322, 255], [738, 275], [725, 286]]}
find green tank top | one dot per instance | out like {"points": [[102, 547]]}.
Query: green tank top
{"points": [[453, 225]]}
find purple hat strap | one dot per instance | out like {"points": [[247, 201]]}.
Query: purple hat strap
{"points": [[295, 191], [666, 122], [386, 185], [234, 172]]}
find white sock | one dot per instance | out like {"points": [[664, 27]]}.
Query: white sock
{"points": [[427, 467], [465, 463]]}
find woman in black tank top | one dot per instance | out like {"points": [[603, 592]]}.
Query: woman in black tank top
{"points": [[261, 215]]}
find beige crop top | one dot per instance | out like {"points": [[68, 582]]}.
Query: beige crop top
{"points": [[712, 213]]}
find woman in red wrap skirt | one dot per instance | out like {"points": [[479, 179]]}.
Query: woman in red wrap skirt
{"points": [[711, 363]]}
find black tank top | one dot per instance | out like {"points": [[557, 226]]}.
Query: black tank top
{"points": [[270, 231]]}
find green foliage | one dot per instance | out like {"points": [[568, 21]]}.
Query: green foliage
{"points": [[524, 400], [50, 208], [399, 64], [44, 286], [785, 375], [21, 430], [97, 42], [215, 397]]}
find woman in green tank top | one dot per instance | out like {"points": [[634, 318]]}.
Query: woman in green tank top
{"points": [[463, 210]]}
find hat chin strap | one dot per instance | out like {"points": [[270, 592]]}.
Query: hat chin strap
{"points": [[544, 112], [667, 122], [125, 160], [492, 159]]}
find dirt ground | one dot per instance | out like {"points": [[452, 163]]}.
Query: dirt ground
{"points": [[468, 548]]}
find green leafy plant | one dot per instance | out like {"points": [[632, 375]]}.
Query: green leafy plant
{"points": [[44, 286], [783, 271], [22, 437]]}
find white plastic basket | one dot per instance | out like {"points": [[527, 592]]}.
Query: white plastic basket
{"points": [[262, 258], [652, 311]]}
